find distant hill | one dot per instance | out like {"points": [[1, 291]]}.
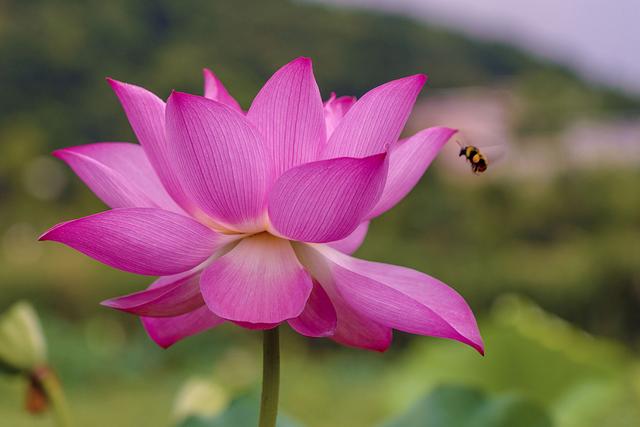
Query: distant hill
{"points": [[54, 55]]}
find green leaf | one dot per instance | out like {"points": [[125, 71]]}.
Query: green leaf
{"points": [[582, 380], [457, 406], [242, 412], [22, 344]]}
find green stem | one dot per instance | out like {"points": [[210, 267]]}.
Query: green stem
{"points": [[270, 378], [54, 392]]}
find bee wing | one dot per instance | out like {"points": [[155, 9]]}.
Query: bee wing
{"points": [[494, 153]]}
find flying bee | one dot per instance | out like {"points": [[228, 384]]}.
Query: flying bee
{"points": [[479, 158]]}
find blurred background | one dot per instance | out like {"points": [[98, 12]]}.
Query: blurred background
{"points": [[545, 246]]}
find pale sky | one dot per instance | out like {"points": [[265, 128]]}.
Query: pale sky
{"points": [[598, 38]]}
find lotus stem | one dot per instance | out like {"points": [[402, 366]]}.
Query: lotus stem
{"points": [[54, 392], [270, 378]]}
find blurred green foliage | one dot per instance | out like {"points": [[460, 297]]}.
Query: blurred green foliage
{"points": [[456, 406], [445, 406], [583, 381], [569, 241], [242, 411], [532, 356]]}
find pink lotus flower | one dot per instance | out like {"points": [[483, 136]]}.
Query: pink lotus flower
{"points": [[250, 218]]}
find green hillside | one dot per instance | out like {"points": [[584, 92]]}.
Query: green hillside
{"points": [[54, 55]]}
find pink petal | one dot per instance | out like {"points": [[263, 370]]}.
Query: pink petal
{"points": [[402, 298], [353, 241], [221, 160], [318, 318], [353, 329], [146, 115], [408, 160], [119, 174], [326, 201], [335, 109], [166, 297], [259, 281], [288, 112], [214, 89], [166, 331], [141, 240], [257, 326], [375, 120]]}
